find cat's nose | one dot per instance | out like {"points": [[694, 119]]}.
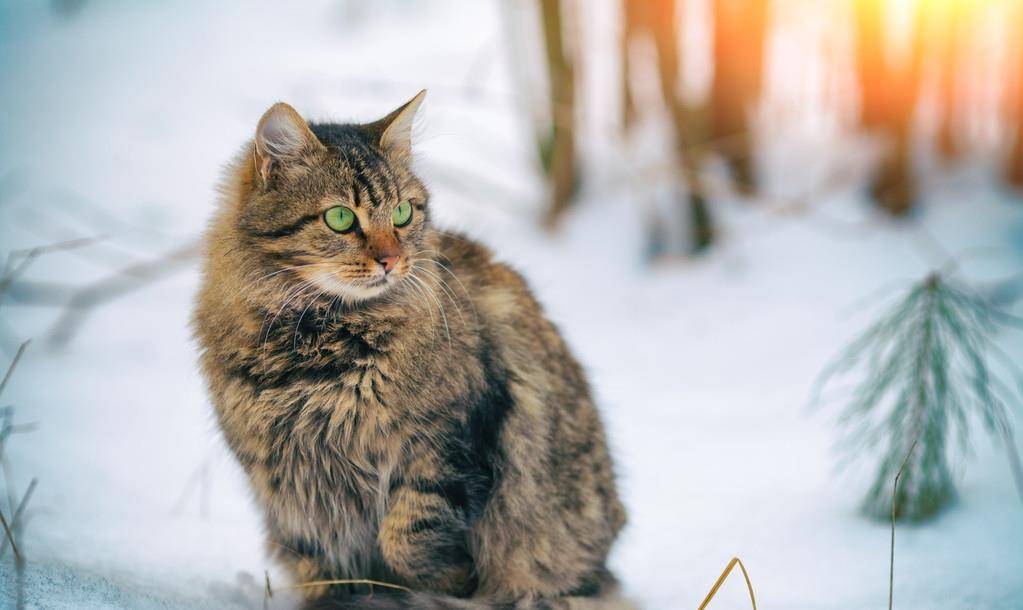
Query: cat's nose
{"points": [[388, 262]]}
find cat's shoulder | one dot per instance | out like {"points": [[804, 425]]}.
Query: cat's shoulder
{"points": [[461, 248], [469, 256], [496, 286]]}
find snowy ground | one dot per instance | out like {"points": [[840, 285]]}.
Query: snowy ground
{"points": [[116, 122]]}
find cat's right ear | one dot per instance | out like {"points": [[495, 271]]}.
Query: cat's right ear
{"points": [[283, 138]]}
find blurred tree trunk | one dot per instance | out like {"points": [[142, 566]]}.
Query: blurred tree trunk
{"points": [[888, 101], [558, 153], [631, 30], [946, 39], [871, 67], [739, 35], [659, 19], [1014, 160]]}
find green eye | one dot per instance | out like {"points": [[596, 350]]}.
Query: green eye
{"points": [[402, 214], [339, 218]]}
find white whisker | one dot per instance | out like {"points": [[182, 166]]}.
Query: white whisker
{"points": [[273, 273], [447, 291], [304, 286], [298, 324], [440, 306], [423, 303], [449, 271]]}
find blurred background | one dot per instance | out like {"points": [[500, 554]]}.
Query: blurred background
{"points": [[711, 199]]}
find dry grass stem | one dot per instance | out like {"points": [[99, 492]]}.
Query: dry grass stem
{"points": [[721, 580], [891, 556], [350, 581]]}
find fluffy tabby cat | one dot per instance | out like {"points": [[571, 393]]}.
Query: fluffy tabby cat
{"points": [[402, 408]]}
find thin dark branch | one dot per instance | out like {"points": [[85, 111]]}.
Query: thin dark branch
{"points": [[17, 519], [9, 428], [26, 256], [126, 280], [10, 536], [68, 244], [14, 363]]}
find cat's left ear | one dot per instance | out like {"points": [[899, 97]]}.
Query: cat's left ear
{"points": [[395, 129], [282, 139]]}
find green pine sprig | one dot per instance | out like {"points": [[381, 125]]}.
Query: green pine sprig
{"points": [[925, 372]]}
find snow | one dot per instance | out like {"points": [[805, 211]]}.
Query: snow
{"points": [[116, 123]]}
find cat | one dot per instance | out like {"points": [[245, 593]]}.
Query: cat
{"points": [[403, 410]]}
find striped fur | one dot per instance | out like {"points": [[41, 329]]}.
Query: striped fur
{"points": [[429, 429]]}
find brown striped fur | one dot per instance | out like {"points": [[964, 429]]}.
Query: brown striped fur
{"points": [[427, 428]]}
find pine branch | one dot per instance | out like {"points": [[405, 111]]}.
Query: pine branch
{"points": [[924, 370]]}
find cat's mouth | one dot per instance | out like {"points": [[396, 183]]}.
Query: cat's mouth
{"points": [[354, 289]]}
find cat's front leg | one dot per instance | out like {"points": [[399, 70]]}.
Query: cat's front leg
{"points": [[303, 561], [424, 535]]}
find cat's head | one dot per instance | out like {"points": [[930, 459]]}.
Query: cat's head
{"points": [[337, 205]]}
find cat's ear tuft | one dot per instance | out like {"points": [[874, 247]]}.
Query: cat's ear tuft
{"points": [[396, 128], [282, 137]]}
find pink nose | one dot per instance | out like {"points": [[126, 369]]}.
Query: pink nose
{"points": [[389, 262]]}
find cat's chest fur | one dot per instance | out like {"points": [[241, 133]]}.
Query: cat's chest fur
{"points": [[339, 404]]}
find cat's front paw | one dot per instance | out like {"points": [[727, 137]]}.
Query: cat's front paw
{"points": [[458, 580], [431, 561]]}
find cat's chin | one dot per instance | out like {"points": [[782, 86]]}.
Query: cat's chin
{"points": [[350, 293]]}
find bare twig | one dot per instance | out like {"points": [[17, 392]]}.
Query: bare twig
{"points": [[10, 536], [14, 363], [26, 256], [17, 519], [68, 244], [12, 495], [6, 429], [122, 282]]}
